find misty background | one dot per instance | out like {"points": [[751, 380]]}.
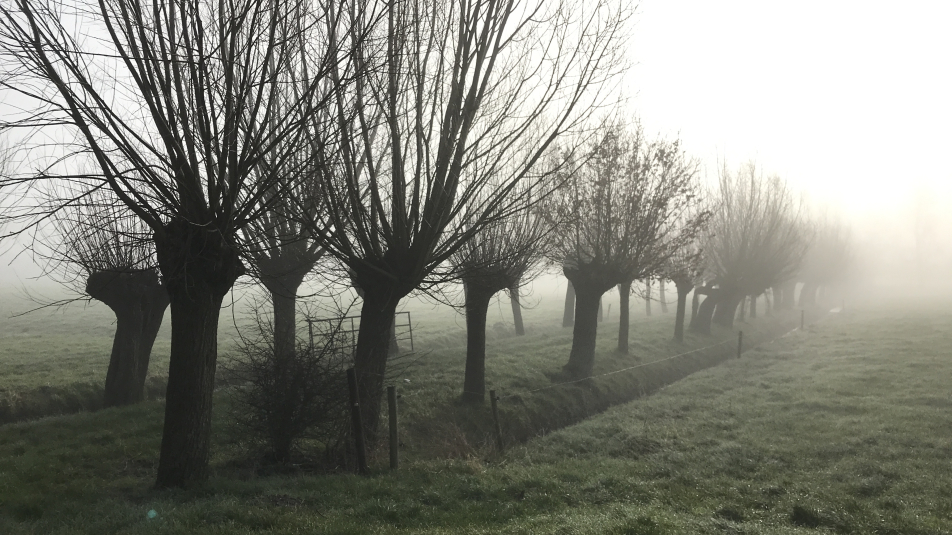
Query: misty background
{"points": [[847, 101]]}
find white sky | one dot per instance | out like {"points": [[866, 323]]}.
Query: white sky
{"points": [[848, 100]]}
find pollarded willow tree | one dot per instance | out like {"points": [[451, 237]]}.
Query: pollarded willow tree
{"points": [[97, 249], [503, 255], [453, 106], [756, 240], [178, 104], [621, 212], [686, 269]]}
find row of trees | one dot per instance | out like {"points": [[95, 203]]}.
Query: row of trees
{"points": [[406, 144], [264, 133]]}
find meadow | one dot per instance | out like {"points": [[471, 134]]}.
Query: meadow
{"points": [[842, 427]]}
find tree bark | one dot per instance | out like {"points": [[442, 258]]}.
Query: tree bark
{"points": [[701, 322], [282, 276], [647, 297], [477, 305], [370, 356], [139, 301], [568, 313], [664, 304], [393, 347], [516, 311], [198, 268], [582, 357], [624, 293], [726, 310], [695, 302], [683, 290]]}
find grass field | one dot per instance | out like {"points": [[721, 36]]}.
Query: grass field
{"points": [[842, 428]]}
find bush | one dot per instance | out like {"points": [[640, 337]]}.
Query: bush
{"points": [[283, 401]]}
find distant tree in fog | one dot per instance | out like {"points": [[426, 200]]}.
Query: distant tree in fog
{"points": [[503, 255], [620, 213], [686, 269], [756, 239], [456, 104]]}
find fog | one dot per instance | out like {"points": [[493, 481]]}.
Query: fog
{"points": [[847, 101]]}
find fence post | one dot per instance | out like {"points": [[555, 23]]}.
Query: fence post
{"points": [[492, 403], [357, 422], [740, 342], [394, 441]]}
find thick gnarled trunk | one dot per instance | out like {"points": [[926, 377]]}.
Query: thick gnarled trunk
{"points": [[282, 274], [701, 322], [624, 293], [139, 301], [582, 357], [198, 268], [683, 289], [726, 310], [371, 354], [568, 312], [477, 305]]}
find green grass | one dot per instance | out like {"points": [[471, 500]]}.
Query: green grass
{"points": [[842, 428]]}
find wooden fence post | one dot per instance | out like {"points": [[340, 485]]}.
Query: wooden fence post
{"points": [[357, 422], [492, 402]]}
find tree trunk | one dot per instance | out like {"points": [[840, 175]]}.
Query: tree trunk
{"points": [[742, 309], [282, 275], [648, 297], [568, 313], [516, 311], [474, 382], [139, 302], [808, 295], [701, 323], [284, 324], [582, 358], [787, 291], [198, 267], [624, 293], [370, 356], [393, 347], [753, 306], [695, 302], [683, 290], [664, 304], [726, 310]]}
